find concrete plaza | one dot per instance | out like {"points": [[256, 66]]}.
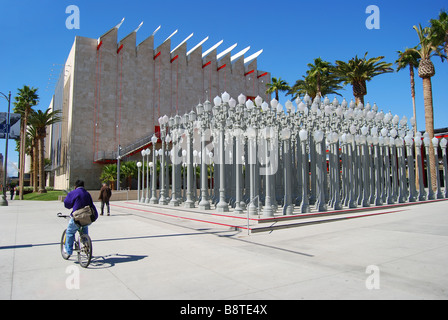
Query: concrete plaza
{"points": [[148, 252]]}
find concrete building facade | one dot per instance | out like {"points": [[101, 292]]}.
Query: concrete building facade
{"points": [[112, 92]]}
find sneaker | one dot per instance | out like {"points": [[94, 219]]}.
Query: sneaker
{"points": [[66, 253]]}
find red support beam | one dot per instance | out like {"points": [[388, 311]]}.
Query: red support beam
{"points": [[248, 73]]}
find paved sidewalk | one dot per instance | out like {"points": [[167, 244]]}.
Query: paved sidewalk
{"points": [[143, 254]]}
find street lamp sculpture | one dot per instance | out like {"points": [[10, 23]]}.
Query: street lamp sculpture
{"points": [[314, 155]]}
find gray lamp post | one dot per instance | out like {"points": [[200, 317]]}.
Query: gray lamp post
{"points": [[288, 206], [220, 113], [393, 148], [401, 170], [352, 203], [411, 171], [388, 186], [304, 207], [154, 199], [139, 165], [203, 112], [168, 140], [365, 161], [118, 167], [267, 210], [418, 146], [142, 198], [427, 141], [435, 144], [163, 121], [3, 201], [321, 202], [189, 123], [147, 153], [239, 140], [252, 135], [176, 159], [443, 144]]}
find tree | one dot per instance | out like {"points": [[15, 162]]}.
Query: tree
{"points": [[31, 148], [277, 85], [321, 72], [439, 30], [26, 99], [40, 121], [329, 84], [129, 170], [109, 174], [409, 58], [358, 71], [426, 49]]}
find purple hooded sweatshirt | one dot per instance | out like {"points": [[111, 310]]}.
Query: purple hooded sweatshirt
{"points": [[78, 199]]}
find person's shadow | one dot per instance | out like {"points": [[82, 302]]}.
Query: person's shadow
{"points": [[102, 262]]}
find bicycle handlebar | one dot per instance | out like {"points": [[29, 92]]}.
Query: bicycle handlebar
{"points": [[60, 215]]}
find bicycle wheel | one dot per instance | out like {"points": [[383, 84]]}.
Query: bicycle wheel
{"points": [[85, 250], [63, 252]]}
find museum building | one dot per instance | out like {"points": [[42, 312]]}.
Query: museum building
{"points": [[112, 92]]}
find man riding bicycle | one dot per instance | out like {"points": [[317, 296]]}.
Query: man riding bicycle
{"points": [[77, 199]]}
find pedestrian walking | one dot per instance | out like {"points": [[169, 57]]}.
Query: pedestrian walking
{"points": [[105, 194], [12, 192]]}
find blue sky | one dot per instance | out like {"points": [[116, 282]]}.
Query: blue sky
{"points": [[34, 40]]}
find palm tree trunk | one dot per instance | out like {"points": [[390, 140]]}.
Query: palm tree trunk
{"points": [[429, 120], [319, 87], [35, 160], [359, 99], [41, 166], [22, 153]]}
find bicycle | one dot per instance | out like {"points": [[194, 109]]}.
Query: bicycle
{"points": [[82, 245]]}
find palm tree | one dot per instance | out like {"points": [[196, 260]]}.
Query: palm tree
{"points": [[129, 170], [327, 83], [320, 71], [358, 71], [427, 48], [26, 99], [411, 59], [31, 149], [439, 29], [277, 85], [40, 121], [109, 174]]}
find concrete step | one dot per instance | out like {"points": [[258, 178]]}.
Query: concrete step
{"points": [[258, 223], [307, 219]]}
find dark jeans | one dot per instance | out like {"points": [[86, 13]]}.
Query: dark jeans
{"points": [[102, 206]]}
